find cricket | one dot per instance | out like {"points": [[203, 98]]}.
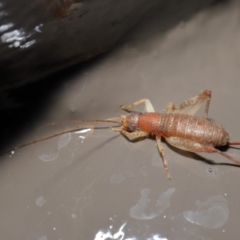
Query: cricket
{"points": [[177, 125]]}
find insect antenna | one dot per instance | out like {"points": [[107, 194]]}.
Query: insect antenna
{"points": [[233, 143], [116, 120]]}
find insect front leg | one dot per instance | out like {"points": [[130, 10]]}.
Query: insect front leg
{"points": [[164, 160], [131, 136], [148, 104], [192, 105]]}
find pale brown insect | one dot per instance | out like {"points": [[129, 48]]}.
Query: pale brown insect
{"points": [[177, 125]]}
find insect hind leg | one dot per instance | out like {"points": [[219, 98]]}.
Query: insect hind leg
{"points": [[192, 105], [191, 146], [148, 104], [212, 149]]}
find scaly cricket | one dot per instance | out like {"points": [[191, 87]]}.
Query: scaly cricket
{"points": [[177, 125]]}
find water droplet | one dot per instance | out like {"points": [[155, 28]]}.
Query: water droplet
{"points": [[213, 213], [150, 205], [43, 238], [74, 215], [48, 157], [64, 140], [40, 201]]}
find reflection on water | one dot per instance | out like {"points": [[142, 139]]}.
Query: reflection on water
{"points": [[48, 157]]}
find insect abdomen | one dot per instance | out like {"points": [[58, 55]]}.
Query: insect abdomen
{"points": [[188, 127]]}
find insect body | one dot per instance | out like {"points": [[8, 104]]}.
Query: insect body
{"points": [[177, 125], [183, 131]]}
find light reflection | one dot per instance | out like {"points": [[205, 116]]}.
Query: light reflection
{"points": [[17, 37], [85, 133], [28, 44], [14, 37], [83, 130], [156, 237], [120, 235], [108, 235], [38, 28], [5, 27]]}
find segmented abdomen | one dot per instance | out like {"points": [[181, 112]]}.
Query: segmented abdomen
{"points": [[184, 126]]}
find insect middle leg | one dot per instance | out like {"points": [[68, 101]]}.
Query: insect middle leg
{"points": [[164, 160], [192, 105], [133, 136]]}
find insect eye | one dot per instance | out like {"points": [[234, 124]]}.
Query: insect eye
{"points": [[132, 127]]}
